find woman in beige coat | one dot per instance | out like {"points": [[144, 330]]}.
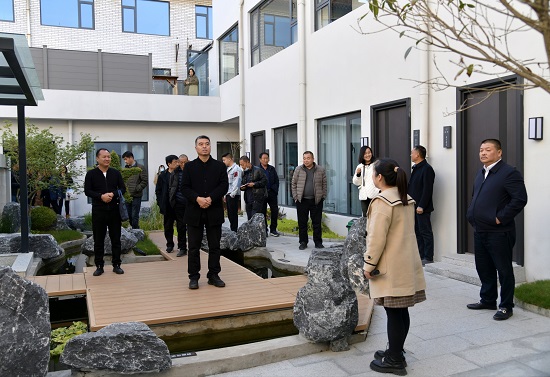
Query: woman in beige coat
{"points": [[392, 261]]}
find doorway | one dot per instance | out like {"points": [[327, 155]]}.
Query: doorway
{"points": [[257, 146]]}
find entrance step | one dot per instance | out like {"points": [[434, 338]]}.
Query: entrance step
{"points": [[462, 267]]}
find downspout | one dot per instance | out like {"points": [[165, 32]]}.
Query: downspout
{"points": [[302, 114], [28, 13], [70, 131], [242, 136], [424, 108]]}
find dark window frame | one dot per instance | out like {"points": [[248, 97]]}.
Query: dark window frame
{"points": [[208, 17], [135, 9], [80, 3], [12, 13], [229, 33]]}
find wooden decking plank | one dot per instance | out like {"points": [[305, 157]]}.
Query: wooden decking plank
{"points": [[52, 284]]}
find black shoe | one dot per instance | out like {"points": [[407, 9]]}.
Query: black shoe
{"points": [[274, 233], [503, 314], [426, 261], [181, 253], [319, 246], [194, 284], [379, 355], [216, 281], [480, 305], [117, 270], [389, 365], [302, 246], [98, 271], [169, 249]]}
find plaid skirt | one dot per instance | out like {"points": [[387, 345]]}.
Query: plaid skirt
{"points": [[401, 302]]}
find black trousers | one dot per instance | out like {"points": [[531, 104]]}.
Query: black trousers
{"points": [[213, 235], [133, 212], [304, 209], [365, 206], [254, 207], [424, 235], [232, 205], [398, 329], [101, 220], [272, 201], [57, 205], [493, 253], [175, 215]]}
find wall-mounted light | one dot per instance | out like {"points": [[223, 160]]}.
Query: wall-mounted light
{"points": [[248, 155], [535, 128], [365, 141]]}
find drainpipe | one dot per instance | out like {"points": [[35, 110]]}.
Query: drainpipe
{"points": [[70, 131], [242, 136], [302, 115], [424, 108], [28, 12]]}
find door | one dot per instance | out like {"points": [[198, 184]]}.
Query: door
{"points": [[498, 116], [285, 161], [391, 132], [257, 146]]}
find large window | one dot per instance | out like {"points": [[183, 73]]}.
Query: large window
{"points": [[67, 13], [203, 22], [339, 144], [146, 17], [138, 149], [229, 55], [327, 11], [286, 160], [6, 10], [273, 28]]}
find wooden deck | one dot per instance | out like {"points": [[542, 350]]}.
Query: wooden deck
{"points": [[157, 293]]}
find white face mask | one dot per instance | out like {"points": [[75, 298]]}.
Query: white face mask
{"points": [[246, 169]]}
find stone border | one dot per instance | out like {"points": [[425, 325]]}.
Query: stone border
{"points": [[532, 308], [263, 253], [73, 243]]}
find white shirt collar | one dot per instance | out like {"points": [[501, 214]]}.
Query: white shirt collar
{"points": [[487, 168]]}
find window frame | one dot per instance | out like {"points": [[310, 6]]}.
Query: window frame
{"points": [[135, 9], [12, 12], [229, 32], [208, 16], [79, 16]]}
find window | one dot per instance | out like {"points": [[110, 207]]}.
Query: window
{"points": [[286, 160], [229, 55], [146, 17], [6, 10], [327, 11], [273, 28], [138, 149], [67, 13], [339, 144], [203, 22]]}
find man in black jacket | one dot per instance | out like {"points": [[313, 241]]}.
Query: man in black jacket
{"points": [[253, 184], [272, 187], [101, 184], [178, 202], [162, 191], [499, 195], [421, 187], [204, 186]]}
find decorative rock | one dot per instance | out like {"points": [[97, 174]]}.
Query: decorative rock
{"points": [[61, 223], [126, 348], [11, 217], [24, 326], [252, 233], [42, 245], [228, 240], [326, 308], [351, 264], [76, 223], [144, 212], [339, 345], [138, 233], [127, 240]]}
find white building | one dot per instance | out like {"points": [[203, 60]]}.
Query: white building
{"points": [[290, 76]]}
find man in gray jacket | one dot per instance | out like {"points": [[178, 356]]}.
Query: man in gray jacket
{"points": [[309, 190], [136, 184]]}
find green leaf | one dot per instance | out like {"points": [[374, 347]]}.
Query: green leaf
{"points": [[402, 34], [470, 70], [408, 52]]}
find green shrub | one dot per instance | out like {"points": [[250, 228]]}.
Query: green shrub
{"points": [[155, 220], [42, 218], [62, 235], [535, 293], [60, 336], [88, 220]]}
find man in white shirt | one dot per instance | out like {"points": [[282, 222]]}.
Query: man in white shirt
{"points": [[233, 196]]}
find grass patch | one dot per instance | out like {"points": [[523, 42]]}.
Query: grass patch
{"points": [[536, 293], [62, 235], [148, 246], [291, 227]]}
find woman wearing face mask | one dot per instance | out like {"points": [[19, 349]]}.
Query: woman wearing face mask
{"points": [[392, 261], [363, 178]]}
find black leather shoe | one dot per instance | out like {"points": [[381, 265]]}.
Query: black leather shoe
{"points": [[319, 246], [169, 249], [481, 305], [117, 270], [503, 314], [98, 271], [193, 284], [181, 253], [216, 281], [389, 365], [302, 246], [379, 355]]}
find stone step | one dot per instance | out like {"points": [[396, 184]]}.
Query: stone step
{"points": [[464, 260], [461, 269]]}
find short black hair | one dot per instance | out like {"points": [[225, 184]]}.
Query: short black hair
{"points": [[308, 152], [228, 155], [261, 154], [170, 158], [127, 154], [244, 158], [201, 137], [421, 151], [101, 149], [495, 142]]}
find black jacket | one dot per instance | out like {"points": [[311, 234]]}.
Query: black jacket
{"points": [[162, 191], [96, 184], [421, 186], [204, 179], [501, 195], [176, 188], [259, 191], [272, 178]]}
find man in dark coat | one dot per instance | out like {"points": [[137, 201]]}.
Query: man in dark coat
{"points": [[162, 191], [421, 186], [499, 196], [253, 184], [204, 185], [136, 184], [272, 188], [101, 184]]}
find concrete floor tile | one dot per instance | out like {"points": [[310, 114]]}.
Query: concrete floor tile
{"points": [[436, 347], [539, 361], [496, 353], [540, 342], [496, 333], [439, 366], [508, 369]]}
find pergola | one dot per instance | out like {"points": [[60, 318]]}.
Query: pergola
{"points": [[19, 86]]}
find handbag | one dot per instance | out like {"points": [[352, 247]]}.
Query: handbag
{"points": [[122, 207]]}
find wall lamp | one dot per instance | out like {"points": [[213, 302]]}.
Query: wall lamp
{"points": [[535, 128]]}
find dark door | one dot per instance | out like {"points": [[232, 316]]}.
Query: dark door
{"points": [[257, 146], [391, 132], [497, 116]]}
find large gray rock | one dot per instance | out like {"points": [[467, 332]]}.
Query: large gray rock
{"points": [[24, 326], [326, 308], [252, 233], [351, 263], [138, 233], [77, 223], [42, 245], [11, 217], [228, 240], [126, 348], [127, 240], [61, 223]]}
